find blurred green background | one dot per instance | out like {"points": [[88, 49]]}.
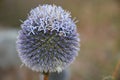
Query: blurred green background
{"points": [[99, 28]]}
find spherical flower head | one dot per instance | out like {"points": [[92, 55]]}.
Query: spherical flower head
{"points": [[48, 40]]}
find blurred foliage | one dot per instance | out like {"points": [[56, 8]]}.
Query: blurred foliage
{"points": [[99, 28]]}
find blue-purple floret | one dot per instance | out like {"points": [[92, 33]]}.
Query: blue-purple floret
{"points": [[48, 40]]}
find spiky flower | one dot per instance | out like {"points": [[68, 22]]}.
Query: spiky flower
{"points": [[48, 41]]}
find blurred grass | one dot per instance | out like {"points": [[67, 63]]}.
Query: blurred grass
{"points": [[99, 28]]}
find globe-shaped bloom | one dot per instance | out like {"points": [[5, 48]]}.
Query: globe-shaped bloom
{"points": [[48, 40]]}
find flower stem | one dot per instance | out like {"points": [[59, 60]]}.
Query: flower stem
{"points": [[46, 75]]}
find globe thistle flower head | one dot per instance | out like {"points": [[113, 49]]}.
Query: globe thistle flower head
{"points": [[48, 40]]}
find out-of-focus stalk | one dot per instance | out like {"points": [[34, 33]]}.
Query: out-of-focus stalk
{"points": [[116, 73]]}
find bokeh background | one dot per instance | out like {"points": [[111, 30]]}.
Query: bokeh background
{"points": [[99, 28]]}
